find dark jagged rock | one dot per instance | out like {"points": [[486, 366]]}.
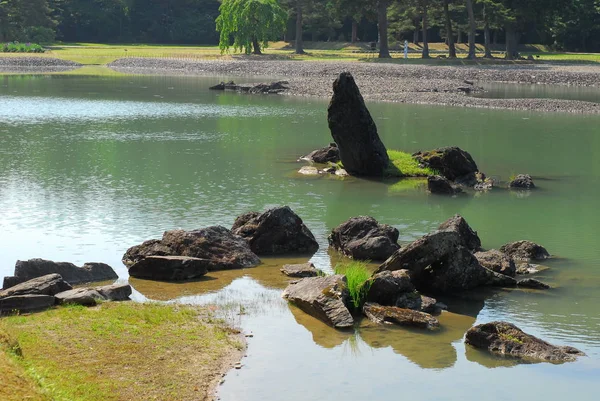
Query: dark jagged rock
{"points": [[325, 298], [522, 181], [399, 316], [275, 232], [300, 270], [328, 154], [386, 287], [171, 268], [468, 236], [415, 301], [79, 296], [363, 238], [354, 131], [217, 245], [436, 184], [525, 251], [421, 253], [225, 85], [532, 283], [508, 340], [28, 269], [451, 162], [497, 261], [271, 89], [50, 284], [25, 303]]}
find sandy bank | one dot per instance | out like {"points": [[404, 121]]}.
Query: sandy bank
{"points": [[421, 84], [32, 64]]}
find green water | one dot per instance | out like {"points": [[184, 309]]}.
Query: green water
{"points": [[91, 166]]}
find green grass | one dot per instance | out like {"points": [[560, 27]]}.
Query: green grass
{"points": [[117, 351], [402, 164], [357, 276]]}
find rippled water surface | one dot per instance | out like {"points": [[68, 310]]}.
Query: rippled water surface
{"points": [[91, 166]]}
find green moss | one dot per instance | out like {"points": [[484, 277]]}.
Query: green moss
{"points": [[513, 339], [402, 164]]}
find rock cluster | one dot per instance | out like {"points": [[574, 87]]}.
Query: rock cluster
{"points": [[363, 238], [262, 88]]}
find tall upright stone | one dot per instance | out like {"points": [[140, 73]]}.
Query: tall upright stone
{"points": [[354, 131]]}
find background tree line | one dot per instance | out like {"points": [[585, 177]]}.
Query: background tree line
{"points": [[564, 24]]}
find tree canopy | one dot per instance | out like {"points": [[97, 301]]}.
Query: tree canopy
{"points": [[250, 23]]}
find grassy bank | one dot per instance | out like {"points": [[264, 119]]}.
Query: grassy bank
{"points": [[402, 164], [116, 351], [102, 54]]}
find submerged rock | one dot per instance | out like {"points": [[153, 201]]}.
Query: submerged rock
{"points": [[328, 154], [497, 261], [309, 170], [216, 244], [525, 251], [436, 184], [275, 232], [28, 269], [532, 283], [171, 268], [300, 270], [451, 162], [354, 131], [363, 238], [50, 284], [507, 339], [402, 317], [468, 237], [325, 298], [522, 181]]}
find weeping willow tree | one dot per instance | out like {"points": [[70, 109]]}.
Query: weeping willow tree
{"points": [[250, 23]]}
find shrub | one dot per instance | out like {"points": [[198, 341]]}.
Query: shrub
{"points": [[357, 275], [38, 34], [16, 47]]}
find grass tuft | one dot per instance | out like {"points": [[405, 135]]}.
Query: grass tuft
{"points": [[402, 164], [357, 276]]}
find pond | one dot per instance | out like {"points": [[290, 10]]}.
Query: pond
{"points": [[92, 166]]}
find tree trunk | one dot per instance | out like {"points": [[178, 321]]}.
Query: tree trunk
{"points": [[382, 22], [256, 46], [472, 29], [354, 31], [495, 38], [416, 37], [459, 37], [511, 45], [425, 53], [486, 34], [449, 33], [299, 44]]}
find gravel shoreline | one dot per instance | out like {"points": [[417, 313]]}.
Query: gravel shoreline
{"points": [[418, 84], [33, 64]]}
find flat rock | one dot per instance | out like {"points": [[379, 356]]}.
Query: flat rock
{"points": [[522, 181], [415, 301], [216, 244], [387, 286], [508, 340], [354, 131], [328, 154], [497, 261], [309, 170], [436, 184], [171, 268], [525, 251], [300, 270], [277, 231], [50, 284], [79, 296], [468, 237], [27, 269], [363, 238], [529, 268], [25, 303], [451, 162], [325, 298], [115, 292], [399, 316], [532, 283]]}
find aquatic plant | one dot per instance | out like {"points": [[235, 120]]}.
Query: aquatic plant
{"points": [[357, 277]]}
